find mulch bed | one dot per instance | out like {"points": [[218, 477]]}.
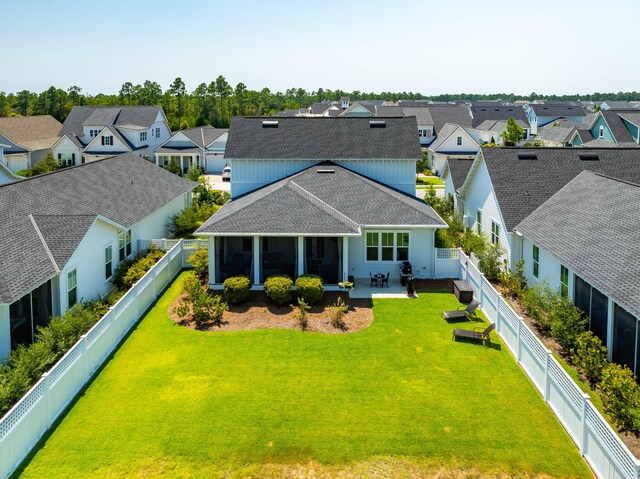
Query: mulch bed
{"points": [[259, 312]]}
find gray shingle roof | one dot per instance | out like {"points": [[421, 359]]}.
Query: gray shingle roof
{"points": [[497, 112], [521, 185], [550, 109], [459, 169], [443, 114], [51, 213], [203, 136], [126, 115], [591, 226], [316, 202], [322, 138], [617, 126], [422, 113]]}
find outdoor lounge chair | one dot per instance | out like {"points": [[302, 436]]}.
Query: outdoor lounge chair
{"points": [[468, 312], [475, 333]]}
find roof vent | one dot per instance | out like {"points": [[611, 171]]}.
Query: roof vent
{"points": [[270, 124], [325, 170], [377, 124], [588, 157], [527, 156]]}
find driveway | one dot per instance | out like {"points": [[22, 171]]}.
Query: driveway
{"points": [[215, 181]]}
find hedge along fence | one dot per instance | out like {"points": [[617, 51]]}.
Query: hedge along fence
{"points": [[26, 422], [603, 449]]}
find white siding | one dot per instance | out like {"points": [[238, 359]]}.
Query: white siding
{"points": [[64, 147], [549, 268], [480, 195], [17, 162], [215, 163], [448, 185], [97, 145], [88, 261], [154, 226], [421, 253], [248, 175]]}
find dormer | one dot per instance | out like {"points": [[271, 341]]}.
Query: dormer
{"points": [[345, 102]]}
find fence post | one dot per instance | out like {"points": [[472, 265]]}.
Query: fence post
{"points": [[480, 293], [498, 322], [546, 376], [583, 439], [85, 367], [45, 397], [519, 345]]}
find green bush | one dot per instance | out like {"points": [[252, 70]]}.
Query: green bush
{"points": [[621, 396], [121, 270], [538, 301], [489, 262], [278, 288], [183, 224], [589, 355], [336, 313], [236, 288], [27, 363], [200, 262], [515, 284], [310, 288], [301, 313], [173, 167], [140, 267], [199, 305], [567, 322]]}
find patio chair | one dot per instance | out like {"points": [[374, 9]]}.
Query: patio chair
{"points": [[469, 312], [384, 281], [373, 280], [475, 333]]}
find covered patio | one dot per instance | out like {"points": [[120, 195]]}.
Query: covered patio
{"points": [[185, 157]]}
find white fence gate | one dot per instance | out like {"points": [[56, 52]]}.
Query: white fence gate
{"points": [[447, 263], [23, 426], [599, 444]]}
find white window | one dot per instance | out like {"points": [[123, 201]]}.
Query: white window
{"points": [[601, 133], [72, 288], [422, 133], [495, 233], [387, 246], [93, 133], [124, 244], [536, 260], [108, 262], [67, 159], [459, 141], [107, 140], [158, 132], [143, 136]]}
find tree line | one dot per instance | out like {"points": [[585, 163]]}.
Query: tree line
{"points": [[216, 102]]}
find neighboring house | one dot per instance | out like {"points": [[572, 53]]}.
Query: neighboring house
{"points": [[6, 175], [490, 131], [583, 241], [423, 118], [261, 150], [610, 128], [559, 133], [453, 141], [94, 132], [493, 118], [617, 105], [505, 185], [360, 109], [202, 146], [454, 173], [27, 139], [329, 196], [540, 114], [67, 231]]}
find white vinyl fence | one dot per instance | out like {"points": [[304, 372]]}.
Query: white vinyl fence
{"points": [[23, 426], [599, 444], [447, 262], [188, 245]]}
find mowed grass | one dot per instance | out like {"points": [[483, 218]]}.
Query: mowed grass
{"points": [[399, 399]]}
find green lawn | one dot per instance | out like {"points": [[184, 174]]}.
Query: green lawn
{"points": [[399, 399], [429, 180]]}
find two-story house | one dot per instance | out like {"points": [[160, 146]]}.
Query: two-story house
{"points": [[330, 196], [203, 146], [27, 139], [93, 132], [610, 128], [540, 114], [65, 233]]}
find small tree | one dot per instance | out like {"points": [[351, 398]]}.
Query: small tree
{"points": [[336, 313], [301, 313], [513, 133], [173, 167], [200, 262], [194, 173], [199, 305], [489, 262]]}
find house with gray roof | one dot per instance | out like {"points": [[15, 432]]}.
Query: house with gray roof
{"points": [[27, 139], [611, 128], [94, 132], [505, 185], [540, 114], [65, 232], [453, 141], [203, 147], [329, 196], [583, 241]]}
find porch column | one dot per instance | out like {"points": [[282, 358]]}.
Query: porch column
{"points": [[301, 255], [345, 258], [5, 332], [609, 328], [181, 165], [256, 260]]}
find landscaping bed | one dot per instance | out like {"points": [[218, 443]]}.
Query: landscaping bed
{"points": [[259, 312]]}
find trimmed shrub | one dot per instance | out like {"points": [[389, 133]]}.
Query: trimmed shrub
{"points": [[121, 270], [567, 322], [590, 356], [336, 313], [621, 396], [199, 305], [236, 288], [301, 313], [200, 262], [515, 284], [489, 262], [139, 268], [538, 301], [278, 288], [310, 288]]}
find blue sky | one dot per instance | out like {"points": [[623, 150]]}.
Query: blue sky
{"points": [[430, 46]]}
